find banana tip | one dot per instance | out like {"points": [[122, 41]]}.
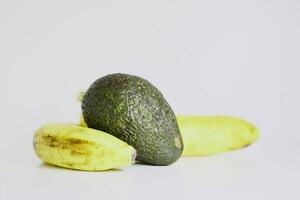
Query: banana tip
{"points": [[133, 155]]}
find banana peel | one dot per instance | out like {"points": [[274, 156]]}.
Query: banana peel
{"points": [[81, 148]]}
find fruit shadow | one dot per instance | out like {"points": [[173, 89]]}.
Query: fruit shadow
{"points": [[49, 166], [145, 164]]}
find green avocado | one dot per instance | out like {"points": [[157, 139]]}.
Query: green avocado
{"points": [[135, 111]]}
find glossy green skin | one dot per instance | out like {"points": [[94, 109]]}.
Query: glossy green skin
{"points": [[135, 111]]}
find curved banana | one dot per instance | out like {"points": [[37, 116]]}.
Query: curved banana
{"points": [[81, 148], [206, 135]]}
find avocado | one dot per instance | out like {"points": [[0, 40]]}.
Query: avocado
{"points": [[135, 111]]}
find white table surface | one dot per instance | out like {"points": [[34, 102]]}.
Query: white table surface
{"points": [[237, 58], [257, 172]]}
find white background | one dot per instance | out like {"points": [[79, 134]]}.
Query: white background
{"points": [[232, 57]]}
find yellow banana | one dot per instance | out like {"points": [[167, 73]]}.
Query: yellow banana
{"points": [[206, 135], [81, 148], [79, 98], [82, 122]]}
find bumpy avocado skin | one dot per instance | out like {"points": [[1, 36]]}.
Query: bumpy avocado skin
{"points": [[135, 111]]}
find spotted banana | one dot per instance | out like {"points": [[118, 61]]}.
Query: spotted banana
{"points": [[81, 148]]}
